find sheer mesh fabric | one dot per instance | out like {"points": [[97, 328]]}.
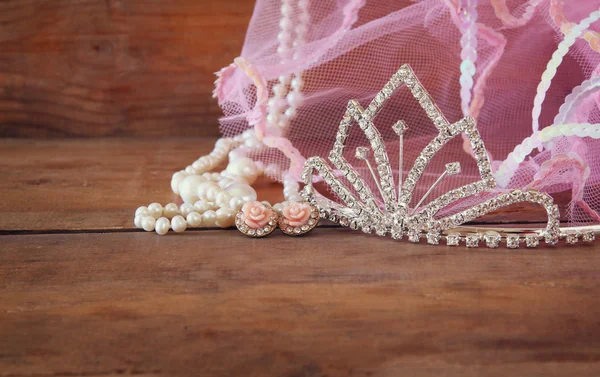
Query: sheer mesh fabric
{"points": [[352, 48]]}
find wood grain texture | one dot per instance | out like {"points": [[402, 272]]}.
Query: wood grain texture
{"points": [[115, 67], [96, 184], [93, 184], [333, 303], [98, 298]]}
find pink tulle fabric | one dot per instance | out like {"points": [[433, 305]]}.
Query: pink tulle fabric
{"points": [[350, 48]]}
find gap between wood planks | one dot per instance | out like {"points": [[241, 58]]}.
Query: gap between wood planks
{"points": [[100, 231], [327, 225]]}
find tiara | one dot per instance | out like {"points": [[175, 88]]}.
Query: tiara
{"points": [[359, 208]]}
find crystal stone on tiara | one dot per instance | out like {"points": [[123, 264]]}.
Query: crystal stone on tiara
{"points": [[395, 217]]}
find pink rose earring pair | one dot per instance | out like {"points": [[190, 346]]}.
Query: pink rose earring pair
{"points": [[259, 219]]}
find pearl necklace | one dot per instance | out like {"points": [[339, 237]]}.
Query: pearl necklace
{"points": [[213, 199], [287, 93]]}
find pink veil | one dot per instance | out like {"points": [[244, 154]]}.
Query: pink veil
{"points": [[527, 71]]}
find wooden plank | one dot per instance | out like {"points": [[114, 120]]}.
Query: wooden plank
{"points": [[333, 303], [115, 67], [96, 184]]}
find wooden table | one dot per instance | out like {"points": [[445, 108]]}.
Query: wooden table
{"points": [[83, 293]]}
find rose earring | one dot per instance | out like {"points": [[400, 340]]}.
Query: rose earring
{"points": [[256, 219], [298, 218]]}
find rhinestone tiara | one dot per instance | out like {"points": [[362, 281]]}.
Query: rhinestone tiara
{"points": [[359, 208]]}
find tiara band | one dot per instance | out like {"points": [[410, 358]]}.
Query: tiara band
{"points": [[360, 208]]}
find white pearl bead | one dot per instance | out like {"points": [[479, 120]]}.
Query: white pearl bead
{"points": [[272, 118], [170, 210], [253, 143], [243, 167], [190, 170], [178, 224], [176, 181], [208, 191], [224, 182], [277, 207], [201, 206], [188, 189], [236, 203], [200, 165], [235, 154], [284, 37], [284, 122], [242, 190], [143, 210], [223, 143], [291, 184], [225, 217], [222, 199], [279, 90], [234, 178], [148, 223], [155, 210], [194, 219], [290, 193], [294, 98], [290, 112], [297, 83], [186, 208], [249, 133], [162, 226], [137, 221], [209, 218]]}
